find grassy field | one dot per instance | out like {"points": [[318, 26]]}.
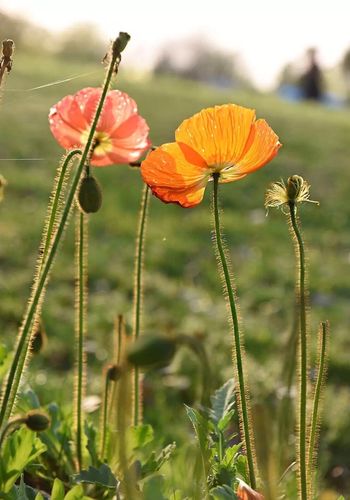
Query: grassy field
{"points": [[182, 291]]}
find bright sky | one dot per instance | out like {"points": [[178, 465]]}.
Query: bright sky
{"points": [[267, 33]]}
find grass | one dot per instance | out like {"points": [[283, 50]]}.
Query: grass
{"points": [[182, 293]]}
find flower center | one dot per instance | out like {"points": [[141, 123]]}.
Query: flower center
{"points": [[102, 142]]}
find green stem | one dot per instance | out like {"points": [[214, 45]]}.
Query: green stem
{"points": [[238, 348], [18, 363], [55, 202], [137, 413], [317, 396], [104, 416], [303, 353], [198, 349], [13, 423], [81, 292]]}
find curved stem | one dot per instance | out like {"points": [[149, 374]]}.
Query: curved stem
{"points": [[55, 202], [303, 352], [12, 423], [140, 243], [198, 349], [317, 396], [238, 348], [81, 293], [18, 363]]}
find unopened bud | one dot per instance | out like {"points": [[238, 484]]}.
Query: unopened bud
{"points": [[150, 351], [120, 42], [89, 195], [39, 339], [37, 421], [113, 373]]}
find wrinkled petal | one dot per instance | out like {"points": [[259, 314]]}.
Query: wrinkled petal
{"points": [[118, 108], [219, 135], [262, 146], [186, 198], [245, 492], [121, 134], [172, 177], [65, 134]]}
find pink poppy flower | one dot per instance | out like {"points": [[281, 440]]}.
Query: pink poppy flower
{"points": [[121, 134]]}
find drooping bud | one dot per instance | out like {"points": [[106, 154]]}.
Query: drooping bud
{"points": [[37, 421], [113, 373], [89, 195], [151, 351]]}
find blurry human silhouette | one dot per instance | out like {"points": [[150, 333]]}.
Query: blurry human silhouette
{"points": [[311, 83]]}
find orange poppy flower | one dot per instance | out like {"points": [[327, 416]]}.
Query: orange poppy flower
{"points": [[121, 134], [245, 492], [227, 140]]}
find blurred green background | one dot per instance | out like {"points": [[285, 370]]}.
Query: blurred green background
{"points": [[182, 290]]}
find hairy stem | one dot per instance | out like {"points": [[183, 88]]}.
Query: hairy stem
{"points": [[37, 296], [237, 344], [140, 243], [321, 373], [80, 327], [302, 440], [104, 417]]}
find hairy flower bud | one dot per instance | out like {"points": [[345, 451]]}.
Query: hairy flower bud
{"points": [[89, 195], [152, 351], [37, 421], [113, 373], [120, 42]]}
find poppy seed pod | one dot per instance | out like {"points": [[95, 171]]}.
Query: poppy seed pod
{"points": [[89, 195], [152, 351], [37, 421]]}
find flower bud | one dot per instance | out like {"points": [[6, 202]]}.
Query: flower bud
{"points": [[120, 42], [37, 421], [38, 339], [151, 351], [89, 195], [7, 48], [113, 373]]}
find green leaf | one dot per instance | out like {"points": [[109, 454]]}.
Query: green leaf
{"points": [[39, 497], [141, 435], [21, 449], [223, 493], [201, 427], [103, 476], [153, 463], [57, 492], [222, 401], [230, 454], [153, 488], [224, 421], [90, 433], [76, 493]]}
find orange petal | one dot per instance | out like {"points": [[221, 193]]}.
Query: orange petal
{"points": [[172, 178], [186, 198], [245, 492], [262, 146], [219, 135]]}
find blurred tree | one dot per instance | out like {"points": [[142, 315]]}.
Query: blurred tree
{"points": [[196, 60], [83, 42], [26, 36], [346, 73]]}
